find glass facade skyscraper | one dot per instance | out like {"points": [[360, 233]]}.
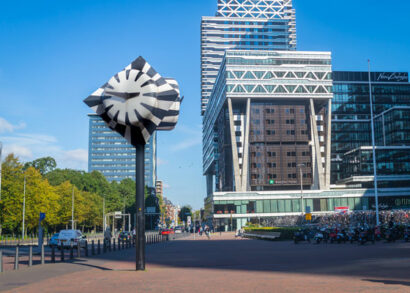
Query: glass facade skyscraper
{"points": [[351, 133], [245, 25], [110, 154]]}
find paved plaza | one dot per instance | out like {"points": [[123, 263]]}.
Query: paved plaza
{"points": [[226, 264]]}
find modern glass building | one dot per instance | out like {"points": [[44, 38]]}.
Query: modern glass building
{"points": [[245, 25], [110, 154], [268, 117], [352, 162]]}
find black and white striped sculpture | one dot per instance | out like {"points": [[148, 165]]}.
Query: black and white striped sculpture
{"points": [[137, 101]]}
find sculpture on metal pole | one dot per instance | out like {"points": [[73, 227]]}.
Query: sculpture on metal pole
{"points": [[136, 102]]}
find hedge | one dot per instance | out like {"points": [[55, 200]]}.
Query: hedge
{"points": [[286, 233]]}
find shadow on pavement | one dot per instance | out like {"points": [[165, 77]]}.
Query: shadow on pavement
{"points": [[389, 282], [388, 262]]}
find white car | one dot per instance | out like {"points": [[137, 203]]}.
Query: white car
{"points": [[178, 230], [68, 237]]}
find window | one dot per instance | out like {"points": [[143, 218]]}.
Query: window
{"points": [[292, 176], [271, 154], [238, 133], [272, 176], [270, 132], [290, 121], [257, 122], [237, 123], [271, 165], [303, 121], [303, 132], [290, 132], [292, 111], [291, 165], [291, 154], [305, 154]]}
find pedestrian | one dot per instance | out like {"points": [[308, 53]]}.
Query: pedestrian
{"points": [[207, 232]]}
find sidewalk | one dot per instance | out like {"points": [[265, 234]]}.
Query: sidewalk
{"points": [[226, 264]]}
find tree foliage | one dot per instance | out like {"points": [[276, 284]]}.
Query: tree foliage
{"points": [[185, 212], [43, 165]]}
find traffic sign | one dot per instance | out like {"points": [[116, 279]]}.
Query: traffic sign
{"points": [[308, 210], [42, 216], [308, 217]]}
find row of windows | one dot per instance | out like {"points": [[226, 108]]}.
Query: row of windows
{"points": [[273, 154], [289, 205], [273, 165]]}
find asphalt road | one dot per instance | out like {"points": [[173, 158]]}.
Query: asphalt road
{"points": [[226, 264]]}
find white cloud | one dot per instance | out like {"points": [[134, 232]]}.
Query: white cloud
{"points": [[18, 150], [161, 162], [187, 143], [193, 138], [6, 126], [79, 155]]}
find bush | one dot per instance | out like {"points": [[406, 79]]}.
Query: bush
{"points": [[286, 233]]}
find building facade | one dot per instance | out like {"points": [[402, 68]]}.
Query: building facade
{"points": [[245, 25], [159, 189], [268, 121], [352, 161], [110, 154]]}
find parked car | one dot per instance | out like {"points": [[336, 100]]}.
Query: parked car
{"points": [[178, 230], [124, 236], [66, 238], [53, 240], [167, 231]]}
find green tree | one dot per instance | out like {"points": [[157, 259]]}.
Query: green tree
{"points": [[185, 212], [44, 165]]}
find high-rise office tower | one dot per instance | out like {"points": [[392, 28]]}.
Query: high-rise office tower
{"points": [[268, 122], [110, 154], [245, 25], [352, 151]]}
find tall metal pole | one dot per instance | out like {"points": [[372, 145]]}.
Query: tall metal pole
{"points": [[24, 206], [140, 207], [104, 222], [1, 148], [301, 187], [376, 195], [72, 210]]}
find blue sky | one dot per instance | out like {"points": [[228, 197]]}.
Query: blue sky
{"points": [[53, 54]]}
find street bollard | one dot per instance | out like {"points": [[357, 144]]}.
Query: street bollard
{"points": [[98, 247], [71, 251], [53, 254], [92, 248], [1, 261], [30, 256], [104, 247], [43, 260], [86, 248], [16, 259], [109, 245], [113, 244], [78, 249], [62, 251]]}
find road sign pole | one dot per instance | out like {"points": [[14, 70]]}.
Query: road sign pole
{"points": [[140, 202]]}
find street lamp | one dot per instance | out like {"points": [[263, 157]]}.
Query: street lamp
{"points": [[136, 102], [376, 196], [301, 187]]}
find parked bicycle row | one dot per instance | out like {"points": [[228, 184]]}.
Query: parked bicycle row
{"points": [[353, 234]]}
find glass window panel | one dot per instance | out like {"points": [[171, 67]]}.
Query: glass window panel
{"points": [[281, 206], [274, 206], [288, 205], [259, 206], [295, 205], [266, 206]]}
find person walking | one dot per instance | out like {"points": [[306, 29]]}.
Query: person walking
{"points": [[207, 232]]}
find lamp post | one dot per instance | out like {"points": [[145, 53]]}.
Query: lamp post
{"points": [[376, 196], [24, 207], [301, 187], [1, 149], [136, 102]]}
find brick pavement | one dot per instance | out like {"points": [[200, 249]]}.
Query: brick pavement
{"points": [[226, 264]]}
